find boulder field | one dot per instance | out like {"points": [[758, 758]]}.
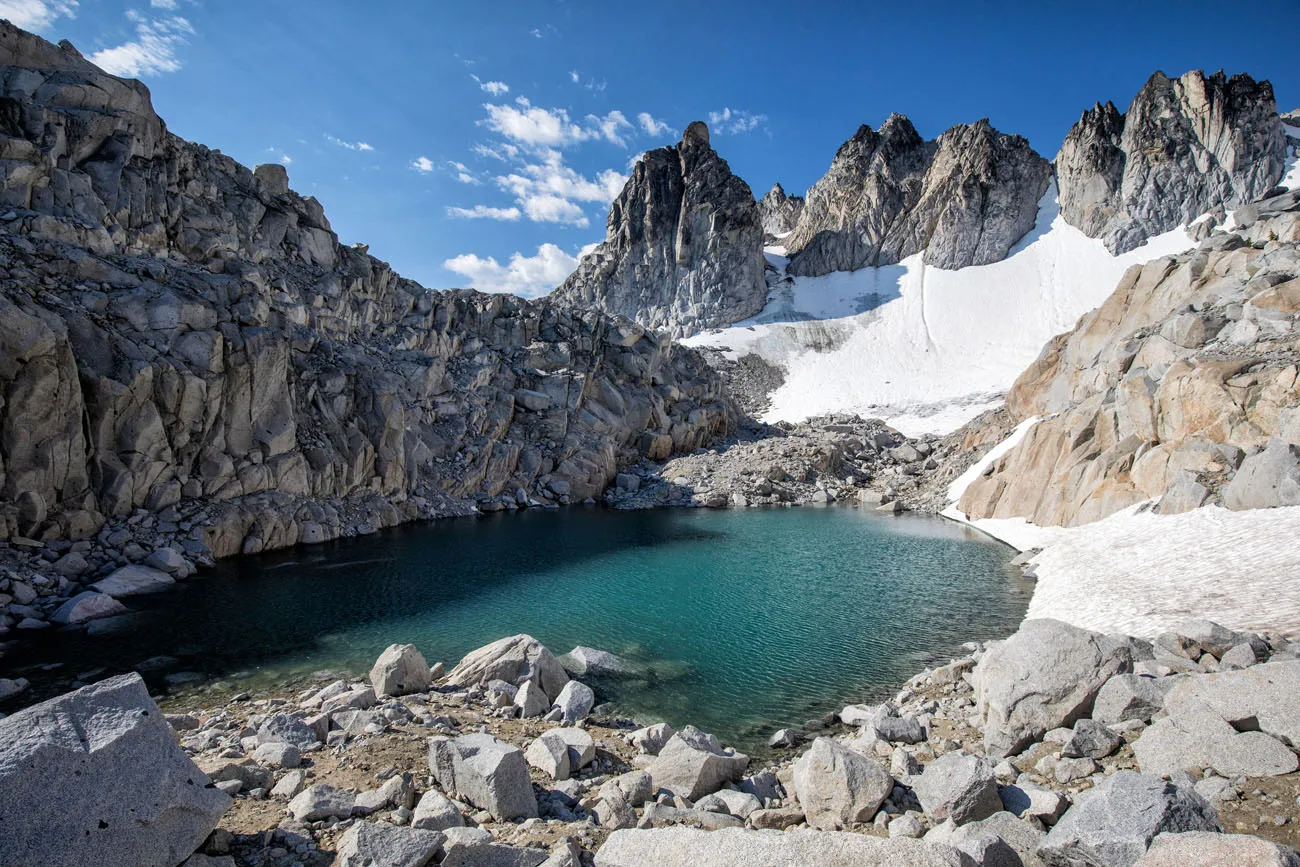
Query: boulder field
{"points": [[1054, 747]]}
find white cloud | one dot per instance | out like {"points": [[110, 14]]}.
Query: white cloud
{"points": [[463, 173], [611, 127], [496, 88], [285, 159], [573, 74], [484, 212], [165, 5], [529, 276], [535, 126], [423, 165], [548, 191], [153, 50], [652, 126], [36, 15], [537, 31], [735, 122], [352, 146], [547, 208]]}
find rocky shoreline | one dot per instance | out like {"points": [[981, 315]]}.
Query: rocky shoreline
{"points": [[1058, 746]]}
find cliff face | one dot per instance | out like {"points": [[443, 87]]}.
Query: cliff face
{"points": [[962, 200], [683, 247], [1182, 387], [176, 330], [1185, 146], [780, 212]]}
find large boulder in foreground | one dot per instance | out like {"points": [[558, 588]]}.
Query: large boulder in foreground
{"points": [[400, 670], [1045, 676], [838, 787], [694, 764], [692, 847], [1113, 824], [516, 660], [488, 773], [95, 777], [1205, 849]]}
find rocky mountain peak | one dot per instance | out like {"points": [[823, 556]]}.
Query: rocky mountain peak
{"points": [[780, 212], [696, 135], [963, 199], [683, 244], [1185, 146]]}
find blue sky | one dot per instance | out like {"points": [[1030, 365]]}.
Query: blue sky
{"points": [[480, 143]]}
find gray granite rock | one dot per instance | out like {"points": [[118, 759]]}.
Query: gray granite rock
{"points": [[690, 847], [1184, 147], [838, 787], [486, 772], [1113, 824], [96, 777], [400, 670], [960, 787], [962, 200], [1045, 675], [683, 244]]}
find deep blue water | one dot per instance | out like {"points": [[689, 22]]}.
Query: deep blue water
{"points": [[742, 621]]}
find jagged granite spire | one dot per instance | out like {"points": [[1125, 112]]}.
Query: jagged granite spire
{"points": [[683, 248], [1185, 146], [963, 199], [780, 212]]}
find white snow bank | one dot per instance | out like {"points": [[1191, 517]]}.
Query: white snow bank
{"points": [[1139, 573], [923, 348], [1291, 179]]}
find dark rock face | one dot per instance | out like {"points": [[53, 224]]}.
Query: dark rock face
{"points": [[1185, 146], [176, 329], [780, 212], [683, 245], [963, 199]]}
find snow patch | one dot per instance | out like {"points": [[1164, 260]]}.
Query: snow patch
{"points": [[1141, 574], [927, 349]]}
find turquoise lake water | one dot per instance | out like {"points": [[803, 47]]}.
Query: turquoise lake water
{"points": [[740, 621]]}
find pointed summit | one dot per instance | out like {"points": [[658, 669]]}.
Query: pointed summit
{"points": [[683, 248]]}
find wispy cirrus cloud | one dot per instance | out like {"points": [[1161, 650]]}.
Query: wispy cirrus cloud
{"points": [[735, 121], [153, 50], [496, 88], [348, 145], [484, 212], [654, 127], [423, 165], [529, 276]]}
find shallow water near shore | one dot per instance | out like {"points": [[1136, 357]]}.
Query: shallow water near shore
{"points": [[739, 621]]}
